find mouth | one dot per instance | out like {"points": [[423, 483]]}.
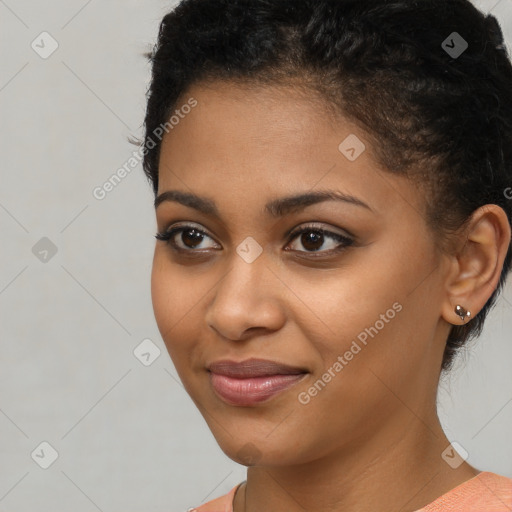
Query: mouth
{"points": [[252, 381]]}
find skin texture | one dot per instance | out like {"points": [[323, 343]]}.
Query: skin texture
{"points": [[371, 438]]}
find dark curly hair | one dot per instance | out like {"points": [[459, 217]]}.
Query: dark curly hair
{"points": [[442, 119]]}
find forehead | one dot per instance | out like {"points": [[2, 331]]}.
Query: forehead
{"points": [[272, 128], [260, 142]]}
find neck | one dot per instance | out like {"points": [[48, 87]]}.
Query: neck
{"points": [[399, 469]]}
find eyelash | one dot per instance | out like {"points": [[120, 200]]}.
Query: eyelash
{"points": [[345, 241]]}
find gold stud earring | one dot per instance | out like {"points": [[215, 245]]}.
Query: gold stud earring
{"points": [[464, 315]]}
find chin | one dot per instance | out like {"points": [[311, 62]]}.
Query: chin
{"points": [[254, 453]]}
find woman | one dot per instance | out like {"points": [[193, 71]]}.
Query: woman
{"points": [[332, 191]]}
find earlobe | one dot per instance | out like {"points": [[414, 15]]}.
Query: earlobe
{"points": [[463, 313], [478, 264]]}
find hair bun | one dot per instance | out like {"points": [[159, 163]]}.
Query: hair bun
{"points": [[494, 31]]}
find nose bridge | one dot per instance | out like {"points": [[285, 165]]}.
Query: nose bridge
{"points": [[245, 297], [248, 264]]}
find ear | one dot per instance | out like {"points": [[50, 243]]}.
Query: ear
{"points": [[476, 267]]}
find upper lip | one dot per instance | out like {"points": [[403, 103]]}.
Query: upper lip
{"points": [[252, 368]]}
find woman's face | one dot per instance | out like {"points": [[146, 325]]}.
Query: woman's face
{"points": [[359, 316]]}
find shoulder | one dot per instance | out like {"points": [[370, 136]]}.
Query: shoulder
{"points": [[486, 492], [221, 504]]}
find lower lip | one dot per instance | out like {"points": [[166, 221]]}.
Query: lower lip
{"points": [[252, 390]]}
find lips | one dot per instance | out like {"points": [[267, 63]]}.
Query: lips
{"points": [[251, 381], [253, 368]]}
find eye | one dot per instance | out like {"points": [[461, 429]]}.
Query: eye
{"points": [[190, 238], [313, 238]]}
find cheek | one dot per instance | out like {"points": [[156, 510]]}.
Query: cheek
{"points": [[367, 312], [374, 329], [361, 323], [345, 301], [161, 294], [173, 304]]}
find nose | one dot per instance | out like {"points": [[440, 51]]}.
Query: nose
{"points": [[246, 301]]}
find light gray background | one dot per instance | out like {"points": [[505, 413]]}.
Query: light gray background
{"points": [[128, 437]]}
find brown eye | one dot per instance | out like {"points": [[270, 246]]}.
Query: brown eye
{"points": [[184, 238], [191, 238], [313, 238]]}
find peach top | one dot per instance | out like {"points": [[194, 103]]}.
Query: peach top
{"points": [[485, 492]]}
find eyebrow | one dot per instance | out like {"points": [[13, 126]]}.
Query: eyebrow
{"points": [[276, 208]]}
